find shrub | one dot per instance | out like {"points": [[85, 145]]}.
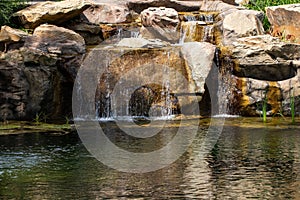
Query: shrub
{"points": [[7, 8]]}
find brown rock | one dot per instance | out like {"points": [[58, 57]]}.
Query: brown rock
{"points": [[265, 58], [285, 21], [12, 38], [49, 12], [56, 40], [161, 23]]}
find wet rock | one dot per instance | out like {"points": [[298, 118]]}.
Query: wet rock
{"points": [[100, 12], [161, 23], [264, 70], [11, 38], [200, 59], [285, 21], [142, 43], [49, 12], [265, 58]]}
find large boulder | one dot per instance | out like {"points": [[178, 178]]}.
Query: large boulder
{"points": [[49, 12], [261, 71], [11, 38], [56, 40], [26, 88], [200, 59], [265, 58], [248, 25], [38, 78], [61, 43], [285, 21], [161, 23], [105, 12], [92, 33]]}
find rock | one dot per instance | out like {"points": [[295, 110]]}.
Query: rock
{"points": [[249, 21], [180, 6], [91, 33], [107, 13], [261, 68], [200, 59], [161, 23], [12, 38], [249, 25], [56, 40], [285, 21], [61, 43], [24, 88], [142, 43], [265, 58], [49, 12], [251, 94]]}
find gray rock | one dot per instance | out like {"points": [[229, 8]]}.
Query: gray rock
{"points": [[200, 59], [142, 43]]}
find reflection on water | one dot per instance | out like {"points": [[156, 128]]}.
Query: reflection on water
{"points": [[250, 160]]}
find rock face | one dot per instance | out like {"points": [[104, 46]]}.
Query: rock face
{"points": [[11, 38], [262, 69], [107, 13], [154, 71], [49, 12], [283, 21], [91, 33], [248, 25], [249, 22], [160, 23], [40, 75]]}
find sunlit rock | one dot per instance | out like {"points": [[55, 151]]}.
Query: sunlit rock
{"points": [[142, 43], [56, 40], [180, 6], [11, 38], [262, 71], [285, 21], [49, 12], [265, 58], [200, 59], [161, 23], [107, 12]]}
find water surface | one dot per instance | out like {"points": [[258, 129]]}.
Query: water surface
{"points": [[250, 160]]}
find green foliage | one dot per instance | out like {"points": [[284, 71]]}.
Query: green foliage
{"points": [[7, 8], [260, 5]]}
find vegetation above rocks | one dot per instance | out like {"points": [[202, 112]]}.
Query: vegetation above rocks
{"points": [[260, 5], [7, 8]]}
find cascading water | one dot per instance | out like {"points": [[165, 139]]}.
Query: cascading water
{"points": [[198, 27]]}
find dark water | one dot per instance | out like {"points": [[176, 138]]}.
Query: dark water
{"points": [[251, 160]]}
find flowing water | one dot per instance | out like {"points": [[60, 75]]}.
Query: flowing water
{"points": [[251, 159]]}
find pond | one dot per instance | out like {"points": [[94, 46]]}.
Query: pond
{"points": [[251, 159]]}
